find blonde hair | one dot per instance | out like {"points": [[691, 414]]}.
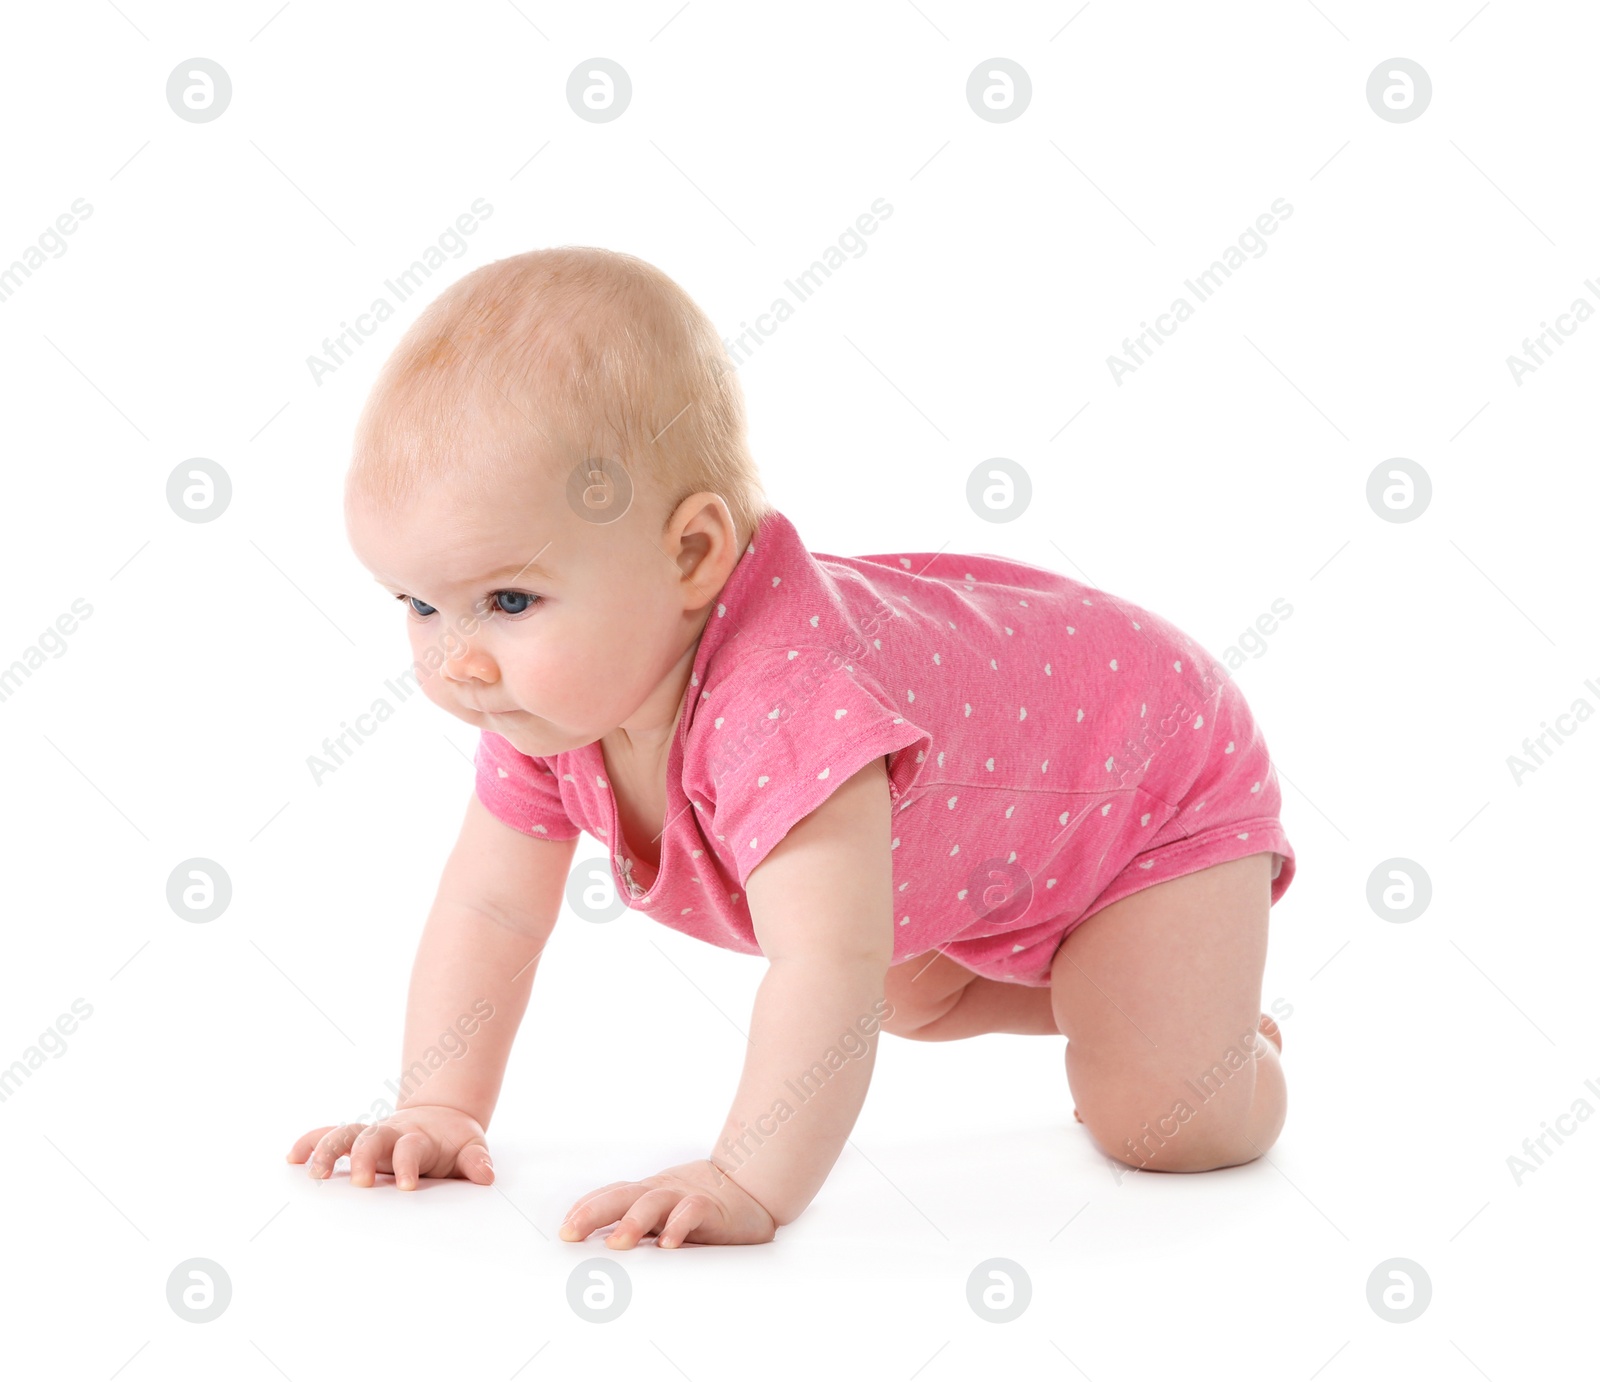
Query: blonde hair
{"points": [[592, 352]]}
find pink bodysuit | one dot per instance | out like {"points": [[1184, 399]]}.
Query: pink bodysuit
{"points": [[1051, 748]]}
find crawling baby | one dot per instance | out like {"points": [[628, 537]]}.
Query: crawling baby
{"points": [[941, 794]]}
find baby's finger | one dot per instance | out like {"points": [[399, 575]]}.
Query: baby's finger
{"points": [[302, 1147], [598, 1207], [412, 1152], [332, 1146], [692, 1211], [473, 1162], [371, 1146], [644, 1217]]}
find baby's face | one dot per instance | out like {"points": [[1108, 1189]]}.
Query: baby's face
{"points": [[524, 618]]}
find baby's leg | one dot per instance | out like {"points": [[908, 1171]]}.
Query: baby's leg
{"points": [[936, 999], [1159, 995]]}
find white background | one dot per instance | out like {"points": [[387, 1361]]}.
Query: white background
{"points": [[1229, 471]]}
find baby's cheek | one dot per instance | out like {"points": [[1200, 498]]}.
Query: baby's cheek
{"points": [[553, 686], [428, 654], [437, 689]]}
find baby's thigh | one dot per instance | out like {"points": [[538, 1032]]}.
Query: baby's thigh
{"points": [[1159, 995], [921, 990]]}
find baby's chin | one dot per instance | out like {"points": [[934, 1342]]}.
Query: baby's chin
{"points": [[517, 728], [530, 735]]}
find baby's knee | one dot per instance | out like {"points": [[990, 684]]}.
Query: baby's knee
{"points": [[1175, 1145], [1157, 1141], [1153, 1124]]}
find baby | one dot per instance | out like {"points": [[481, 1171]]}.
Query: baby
{"points": [[941, 794]]}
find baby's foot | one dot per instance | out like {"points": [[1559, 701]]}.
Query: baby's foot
{"points": [[1267, 1027]]}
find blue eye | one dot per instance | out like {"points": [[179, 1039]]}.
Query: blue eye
{"points": [[512, 602], [513, 596]]}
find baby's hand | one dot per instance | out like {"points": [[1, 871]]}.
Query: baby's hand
{"points": [[423, 1140], [694, 1203]]}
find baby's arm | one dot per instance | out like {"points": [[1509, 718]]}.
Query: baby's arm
{"points": [[497, 902], [822, 903]]}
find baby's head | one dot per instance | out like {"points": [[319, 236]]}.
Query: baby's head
{"points": [[552, 476]]}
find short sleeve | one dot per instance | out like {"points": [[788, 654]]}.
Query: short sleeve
{"points": [[777, 733], [521, 791]]}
